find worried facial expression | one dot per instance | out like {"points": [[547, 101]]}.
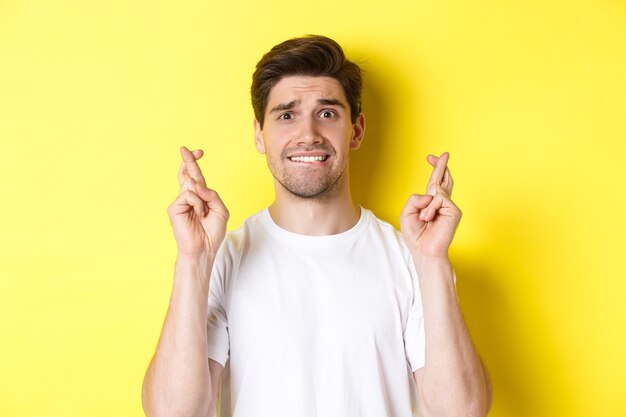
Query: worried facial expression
{"points": [[307, 136]]}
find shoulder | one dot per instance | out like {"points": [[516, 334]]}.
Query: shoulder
{"points": [[384, 230], [237, 241], [390, 239], [375, 221], [232, 251]]}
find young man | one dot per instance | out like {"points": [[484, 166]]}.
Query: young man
{"points": [[315, 307]]}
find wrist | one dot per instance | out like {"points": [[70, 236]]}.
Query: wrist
{"points": [[197, 266], [197, 258], [428, 267], [430, 260]]}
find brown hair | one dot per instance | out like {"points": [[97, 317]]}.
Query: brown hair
{"points": [[312, 55]]}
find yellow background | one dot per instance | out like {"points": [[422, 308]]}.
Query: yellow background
{"points": [[96, 97]]}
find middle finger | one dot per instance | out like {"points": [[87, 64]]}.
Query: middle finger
{"points": [[437, 175], [183, 172]]}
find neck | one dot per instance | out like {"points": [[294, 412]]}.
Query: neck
{"points": [[314, 217]]}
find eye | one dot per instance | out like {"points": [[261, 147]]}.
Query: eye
{"points": [[327, 114], [285, 116]]}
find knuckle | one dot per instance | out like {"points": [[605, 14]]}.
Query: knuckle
{"points": [[187, 195], [187, 185], [186, 181], [171, 209]]}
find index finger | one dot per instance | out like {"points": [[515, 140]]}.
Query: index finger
{"points": [[182, 170], [193, 170], [436, 178]]}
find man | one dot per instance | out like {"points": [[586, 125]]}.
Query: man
{"points": [[315, 306]]}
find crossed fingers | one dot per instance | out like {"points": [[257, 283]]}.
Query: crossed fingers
{"points": [[189, 172], [440, 177], [193, 191], [439, 187]]}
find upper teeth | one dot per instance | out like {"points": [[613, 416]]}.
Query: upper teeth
{"points": [[307, 158]]}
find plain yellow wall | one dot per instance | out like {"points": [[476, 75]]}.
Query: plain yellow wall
{"points": [[96, 97]]}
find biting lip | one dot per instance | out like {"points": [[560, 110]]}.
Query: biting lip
{"points": [[316, 157]]}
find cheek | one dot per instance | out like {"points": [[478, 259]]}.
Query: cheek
{"points": [[341, 134], [277, 137], [286, 133]]}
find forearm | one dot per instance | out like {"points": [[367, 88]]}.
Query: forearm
{"points": [[454, 381], [178, 382]]}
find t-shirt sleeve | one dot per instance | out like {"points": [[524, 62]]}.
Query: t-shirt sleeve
{"points": [[414, 336], [218, 341]]}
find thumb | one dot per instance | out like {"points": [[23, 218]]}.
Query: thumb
{"points": [[417, 202]]}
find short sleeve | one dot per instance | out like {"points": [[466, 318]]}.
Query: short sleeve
{"points": [[414, 336], [218, 341]]}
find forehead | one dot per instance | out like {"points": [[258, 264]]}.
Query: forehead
{"points": [[300, 88]]}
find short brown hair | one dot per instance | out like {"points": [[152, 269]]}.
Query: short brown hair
{"points": [[311, 55]]}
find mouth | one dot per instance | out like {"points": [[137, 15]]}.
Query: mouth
{"points": [[308, 158]]}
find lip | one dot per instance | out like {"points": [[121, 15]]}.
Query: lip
{"points": [[325, 159], [308, 154]]}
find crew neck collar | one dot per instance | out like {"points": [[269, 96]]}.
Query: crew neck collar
{"points": [[308, 240]]}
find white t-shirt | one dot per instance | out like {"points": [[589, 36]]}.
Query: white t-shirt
{"points": [[328, 326]]}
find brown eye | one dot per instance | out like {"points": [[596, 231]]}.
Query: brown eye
{"points": [[286, 116], [327, 114]]}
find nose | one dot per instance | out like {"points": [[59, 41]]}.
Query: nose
{"points": [[309, 133]]}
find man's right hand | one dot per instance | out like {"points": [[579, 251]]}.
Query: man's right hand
{"points": [[180, 380], [198, 215]]}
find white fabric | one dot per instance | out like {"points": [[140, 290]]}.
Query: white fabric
{"points": [[316, 325]]}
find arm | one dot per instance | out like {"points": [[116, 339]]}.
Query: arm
{"points": [[453, 381], [179, 380]]}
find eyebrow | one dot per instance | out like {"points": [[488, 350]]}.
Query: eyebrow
{"points": [[284, 106], [290, 105], [331, 102]]}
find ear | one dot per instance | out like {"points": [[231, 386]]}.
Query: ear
{"points": [[359, 132], [258, 137]]}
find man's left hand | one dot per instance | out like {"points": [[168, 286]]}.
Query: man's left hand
{"points": [[428, 222]]}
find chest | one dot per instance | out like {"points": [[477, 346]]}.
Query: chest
{"points": [[311, 298]]}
